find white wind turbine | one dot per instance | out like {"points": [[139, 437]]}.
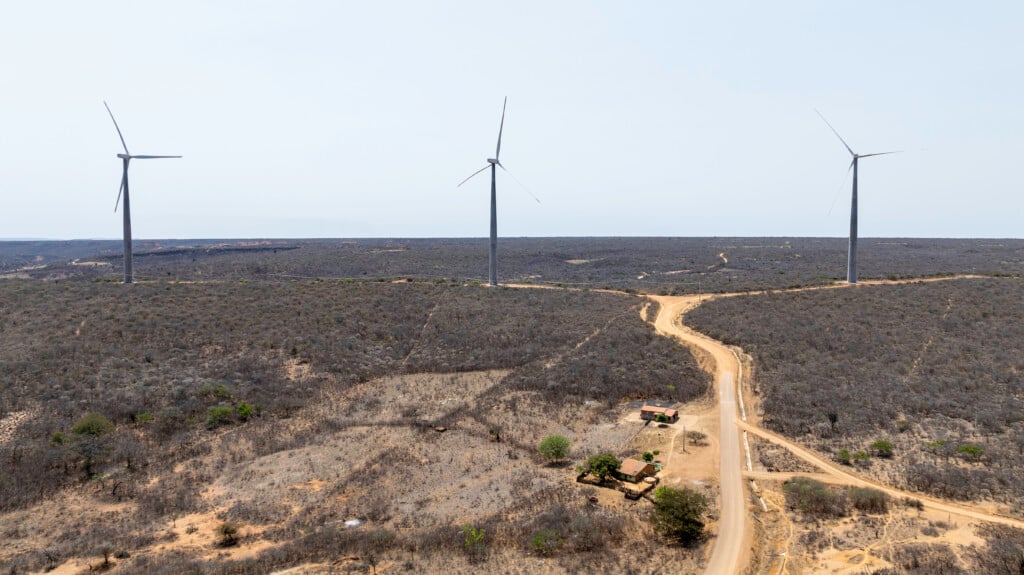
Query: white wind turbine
{"points": [[851, 262], [125, 158], [494, 164]]}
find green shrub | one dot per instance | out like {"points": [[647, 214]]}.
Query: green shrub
{"points": [[844, 456], [546, 542], [554, 447], [228, 532], [93, 424], [144, 418], [868, 500], [218, 415], [473, 542], [814, 497], [58, 438], [883, 448], [970, 451], [247, 410], [648, 456]]}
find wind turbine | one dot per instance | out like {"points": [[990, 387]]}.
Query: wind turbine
{"points": [[851, 260], [494, 164], [127, 212]]}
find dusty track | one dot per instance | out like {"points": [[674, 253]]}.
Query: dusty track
{"points": [[730, 552], [844, 476]]}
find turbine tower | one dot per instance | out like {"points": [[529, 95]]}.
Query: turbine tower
{"points": [[494, 164], [127, 157], [851, 258]]}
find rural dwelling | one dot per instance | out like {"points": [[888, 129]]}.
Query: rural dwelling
{"points": [[634, 470], [651, 412]]}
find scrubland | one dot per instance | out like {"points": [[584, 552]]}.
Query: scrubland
{"points": [[934, 369], [652, 265], [287, 408]]}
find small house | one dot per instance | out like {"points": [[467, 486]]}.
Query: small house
{"points": [[634, 470], [651, 413]]}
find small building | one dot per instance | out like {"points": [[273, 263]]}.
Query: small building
{"points": [[651, 413], [634, 470]]}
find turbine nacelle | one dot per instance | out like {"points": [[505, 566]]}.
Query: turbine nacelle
{"points": [[493, 161], [124, 156]]}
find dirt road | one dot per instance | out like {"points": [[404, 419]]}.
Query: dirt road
{"points": [[843, 475], [730, 550]]}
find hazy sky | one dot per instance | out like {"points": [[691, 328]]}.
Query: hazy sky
{"points": [[357, 119]]}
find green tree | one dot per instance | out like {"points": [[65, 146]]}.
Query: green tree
{"points": [[602, 465], [678, 512], [883, 448], [648, 456], [89, 443], [554, 447]]}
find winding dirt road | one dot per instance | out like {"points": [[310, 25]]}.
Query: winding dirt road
{"points": [[730, 551]]}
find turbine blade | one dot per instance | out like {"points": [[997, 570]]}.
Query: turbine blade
{"points": [[836, 133], [471, 175], [152, 157], [117, 128], [516, 180], [124, 176], [840, 188], [501, 127], [881, 153]]}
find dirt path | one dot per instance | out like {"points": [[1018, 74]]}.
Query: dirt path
{"points": [[844, 476], [731, 550]]}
